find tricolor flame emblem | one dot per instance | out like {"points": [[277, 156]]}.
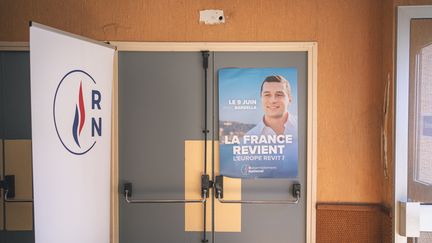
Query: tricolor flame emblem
{"points": [[79, 117], [80, 114]]}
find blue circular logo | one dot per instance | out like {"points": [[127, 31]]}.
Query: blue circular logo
{"points": [[75, 110]]}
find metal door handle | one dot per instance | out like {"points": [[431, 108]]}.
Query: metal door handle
{"points": [[8, 185], [128, 200], [205, 186], [295, 201], [219, 195], [15, 200]]}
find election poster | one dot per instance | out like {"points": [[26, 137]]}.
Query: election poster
{"points": [[258, 128]]}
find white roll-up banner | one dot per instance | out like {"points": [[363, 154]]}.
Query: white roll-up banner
{"points": [[71, 83]]}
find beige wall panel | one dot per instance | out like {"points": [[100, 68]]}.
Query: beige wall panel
{"points": [[227, 216], [18, 162], [350, 65], [19, 216]]}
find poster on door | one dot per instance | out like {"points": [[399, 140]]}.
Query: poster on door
{"points": [[258, 128]]}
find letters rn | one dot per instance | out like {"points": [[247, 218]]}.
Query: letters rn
{"points": [[96, 125]]}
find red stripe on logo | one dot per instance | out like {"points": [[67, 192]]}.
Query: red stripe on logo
{"points": [[81, 109]]}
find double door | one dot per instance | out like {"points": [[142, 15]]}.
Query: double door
{"points": [[161, 116]]}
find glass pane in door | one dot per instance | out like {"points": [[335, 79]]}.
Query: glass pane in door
{"points": [[420, 115]]}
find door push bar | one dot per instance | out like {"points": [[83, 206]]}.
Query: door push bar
{"points": [[8, 185], [205, 186], [296, 190]]}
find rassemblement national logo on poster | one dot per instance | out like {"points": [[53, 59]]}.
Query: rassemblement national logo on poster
{"points": [[77, 112]]}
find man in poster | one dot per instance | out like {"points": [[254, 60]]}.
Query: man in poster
{"points": [[275, 98], [258, 122]]}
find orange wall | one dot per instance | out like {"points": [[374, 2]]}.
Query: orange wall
{"points": [[350, 62]]}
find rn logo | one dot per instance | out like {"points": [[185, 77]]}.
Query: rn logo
{"points": [[76, 111]]}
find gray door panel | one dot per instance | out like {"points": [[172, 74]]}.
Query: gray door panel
{"points": [[160, 106], [15, 121]]}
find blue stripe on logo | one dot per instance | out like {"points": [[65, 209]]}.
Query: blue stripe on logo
{"points": [[75, 127]]}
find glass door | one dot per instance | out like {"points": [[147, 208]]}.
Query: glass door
{"points": [[413, 150], [420, 113]]}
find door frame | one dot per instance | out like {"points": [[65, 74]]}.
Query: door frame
{"points": [[404, 16], [312, 52], [14, 46]]}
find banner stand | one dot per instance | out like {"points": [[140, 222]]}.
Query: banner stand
{"points": [[71, 93]]}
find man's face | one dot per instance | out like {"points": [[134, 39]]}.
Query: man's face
{"points": [[275, 99]]}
